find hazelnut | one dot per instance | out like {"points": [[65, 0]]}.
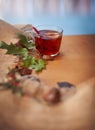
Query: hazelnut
{"points": [[25, 71], [52, 96]]}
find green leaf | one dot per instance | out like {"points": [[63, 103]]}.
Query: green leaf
{"points": [[40, 65], [22, 38], [33, 63], [3, 45], [28, 44], [12, 49], [27, 60]]}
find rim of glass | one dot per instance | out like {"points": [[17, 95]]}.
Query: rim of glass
{"points": [[52, 27]]}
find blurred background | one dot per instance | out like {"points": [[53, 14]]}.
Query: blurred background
{"points": [[75, 16]]}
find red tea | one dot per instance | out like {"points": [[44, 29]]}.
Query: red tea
{"points": [[48, 42]]}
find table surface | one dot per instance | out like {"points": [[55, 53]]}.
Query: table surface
{"points": [[75, 64]]}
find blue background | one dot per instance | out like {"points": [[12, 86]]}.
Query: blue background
{"points": [[74, 16]]}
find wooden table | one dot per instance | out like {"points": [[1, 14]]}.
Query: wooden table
{"points": [[75, 64]]}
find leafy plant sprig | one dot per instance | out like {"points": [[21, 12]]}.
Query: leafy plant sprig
{"points": [[22, 50], [12, 82]]}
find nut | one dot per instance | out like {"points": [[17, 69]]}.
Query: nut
{"points": [[52, 96], [25, 71]]}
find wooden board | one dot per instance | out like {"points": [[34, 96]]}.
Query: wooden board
{"points": [[75, 64]]}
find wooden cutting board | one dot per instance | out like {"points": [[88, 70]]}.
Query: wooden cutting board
{"points": [[75, 64]]}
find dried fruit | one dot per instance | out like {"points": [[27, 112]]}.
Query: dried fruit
{"points": [[53, 96], [25, 71]]}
